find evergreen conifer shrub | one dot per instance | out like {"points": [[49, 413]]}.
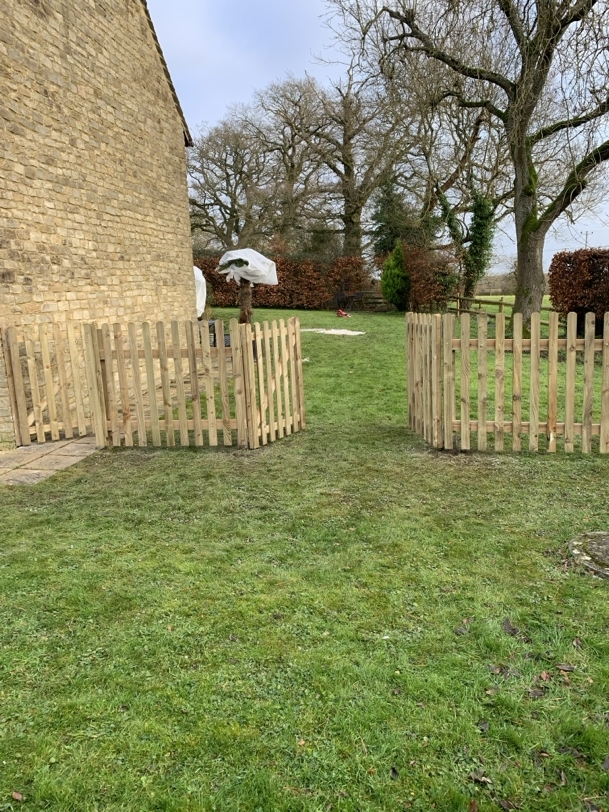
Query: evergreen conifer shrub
{"points": [[395, 282]]}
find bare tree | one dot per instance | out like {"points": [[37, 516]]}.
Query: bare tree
{"points": [[363, 134], [232, 182], [287, 116], [539, 68]]}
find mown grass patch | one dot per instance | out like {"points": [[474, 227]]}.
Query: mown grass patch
{"points": [[316, 625]]}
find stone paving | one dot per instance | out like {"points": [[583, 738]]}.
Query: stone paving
{"points": [[30, 464]]}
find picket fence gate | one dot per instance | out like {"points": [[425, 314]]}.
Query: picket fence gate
{"points": [[572, 382], [124, 387]]}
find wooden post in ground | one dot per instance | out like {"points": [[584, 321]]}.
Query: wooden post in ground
{"points": [[436, 381], [588, 383], [570, 382], [465, 427], [517, 383], [499, 380], [604, 443], [552, 382], [482, 380], [534, 397], [449, 379]]}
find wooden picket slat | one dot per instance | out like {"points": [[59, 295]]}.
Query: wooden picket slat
{"points": [[110, 389], [436, 381], [81, 419], [465, 416], [534, 393], [224, 394], [19, 388], [64, 395], [570, 382], [517, 382], [277, 379], [96, 399], [299, 375], [176, 350], [153, 406], [123, 384], [250, 386], [499, 380], [195, 392], [292, 375], [11, 387], [49, 386], [590, 325], [604, 438], [30, 348], [261, 387], [482, 380], [238, 383], [136, 374], [449, 379], [269, 381], [284, 372], [165, 386], [208, 377], [552, 382], [427, 373]]}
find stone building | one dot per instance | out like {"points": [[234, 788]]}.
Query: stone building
{"points": [[94, 221]]}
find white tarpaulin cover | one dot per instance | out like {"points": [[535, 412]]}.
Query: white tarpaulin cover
{"points": [[245, 263], [200, 289]]}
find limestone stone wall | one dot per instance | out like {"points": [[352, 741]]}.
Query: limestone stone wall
{"points": [[93, 197]]}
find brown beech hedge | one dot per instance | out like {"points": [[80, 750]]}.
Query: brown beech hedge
{"points": [[579, 283], [303, 284]]}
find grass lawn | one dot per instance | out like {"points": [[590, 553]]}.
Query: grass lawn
{"points": [[320, 624]]}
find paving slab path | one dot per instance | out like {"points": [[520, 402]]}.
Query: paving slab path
{"points": [[30, 464]]}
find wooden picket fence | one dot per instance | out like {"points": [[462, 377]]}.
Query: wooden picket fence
{"points": [[124, 386], [561, 379]]}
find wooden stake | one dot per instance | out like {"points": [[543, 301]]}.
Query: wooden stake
{"points": [[588, 383], [552, 382], [482, 380], [570, 382]]}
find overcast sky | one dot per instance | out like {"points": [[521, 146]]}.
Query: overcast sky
{"points": [[220, 51]]}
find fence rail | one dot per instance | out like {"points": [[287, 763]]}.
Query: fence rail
{"points": [[161, 386], [507, 387]]}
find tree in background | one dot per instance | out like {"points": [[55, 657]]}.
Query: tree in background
{"points": [[538, 68], [394, 220], [473, 242], [395, 282]]}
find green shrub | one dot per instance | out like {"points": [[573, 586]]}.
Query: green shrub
{"points": [[395, 282]]}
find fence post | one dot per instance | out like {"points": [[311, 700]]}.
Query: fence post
{"points": [[465, 427], [18, 387], [238, 383], [449, 379], [588, 384], [552, 382], [534, 396], [570, 382], [482, 379], [436, 381], [499, 380], [95, 394], [9, 415], [517, 383], [604, 444]]}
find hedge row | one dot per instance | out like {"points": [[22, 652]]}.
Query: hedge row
{"points": [[303, 284], [579, 283]]}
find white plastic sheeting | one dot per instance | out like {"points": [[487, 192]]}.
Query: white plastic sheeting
{"points": [[245, 263], [201, 290]]}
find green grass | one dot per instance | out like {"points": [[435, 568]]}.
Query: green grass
{"points": [[316, 625]]}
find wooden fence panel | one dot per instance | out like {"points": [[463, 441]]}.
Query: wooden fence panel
{"points": [[537, 401], [113, 384]]}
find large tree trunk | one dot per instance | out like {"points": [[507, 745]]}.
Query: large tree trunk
{"points": [[530, 233], [530, 281], [352, 241], [244, 300]]}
